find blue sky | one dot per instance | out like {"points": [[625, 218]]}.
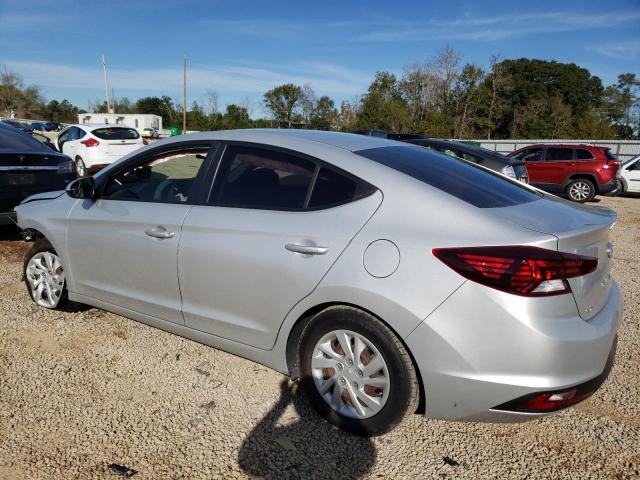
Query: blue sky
{"points": [[243, 48]]}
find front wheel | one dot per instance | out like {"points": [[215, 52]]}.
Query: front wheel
{"points": [[356, 372], [581, 190], [44, 276]]}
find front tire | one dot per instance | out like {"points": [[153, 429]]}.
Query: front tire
{"points": [[356, 372], [44, 276], [581, 190]]}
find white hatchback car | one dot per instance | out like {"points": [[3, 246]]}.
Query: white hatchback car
{"points": [[93, 146], [630, 175]]}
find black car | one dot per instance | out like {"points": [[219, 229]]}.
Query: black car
{"points": [[487, 158], [19, 125], [27, 166]]}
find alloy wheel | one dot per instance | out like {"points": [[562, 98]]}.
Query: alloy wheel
{"points": [[350, 374], [580, 191], [45, 275], [81, 168]]}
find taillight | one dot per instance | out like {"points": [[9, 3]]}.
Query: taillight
{"points": [[521, 270], [145, 141], [90, 142]]}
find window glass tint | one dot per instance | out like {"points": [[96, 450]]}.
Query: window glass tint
{"points": [[20, 141], [530, 155], [164, 179], [262, 178], [610, 155], [116, 133], [559, 154], [333, 188], [583, 154], [474, 185]]}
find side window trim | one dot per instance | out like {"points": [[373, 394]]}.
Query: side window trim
{"points": [[199, 182]]}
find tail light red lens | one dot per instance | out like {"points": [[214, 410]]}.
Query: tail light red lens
{"points": [[90, 142], [520, 270], [145, 141]]}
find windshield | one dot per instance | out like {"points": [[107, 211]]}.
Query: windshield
{"points": [[475, 185]]}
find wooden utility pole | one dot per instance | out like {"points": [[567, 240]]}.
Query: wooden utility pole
{"points": [[184, 96]]}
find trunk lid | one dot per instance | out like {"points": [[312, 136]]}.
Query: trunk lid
{"points": [[580, 230]]}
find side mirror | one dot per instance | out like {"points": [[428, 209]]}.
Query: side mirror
{"points": [[83, 187]]}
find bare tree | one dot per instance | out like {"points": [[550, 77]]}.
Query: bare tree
{"points": [[500, 85], [211, 102]]}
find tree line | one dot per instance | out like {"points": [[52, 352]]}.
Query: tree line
{"points": [[440, 97]]}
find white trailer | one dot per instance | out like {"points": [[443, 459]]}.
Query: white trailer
{"points": [[139, 121]]}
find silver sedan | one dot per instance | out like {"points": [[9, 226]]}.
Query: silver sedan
{"points": [[388, 278]]}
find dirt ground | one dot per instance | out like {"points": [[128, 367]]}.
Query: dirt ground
{"points": [[81, 391]]}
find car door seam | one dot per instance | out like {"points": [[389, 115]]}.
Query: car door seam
{"points": [[184, 217], [327, 271]]}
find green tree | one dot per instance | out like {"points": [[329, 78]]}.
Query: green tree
{"points": [[383, 106], [282, 102]]}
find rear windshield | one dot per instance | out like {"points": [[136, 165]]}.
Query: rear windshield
{"points": [[116, 133], [19, 141], [610, 155], [475, 185]]}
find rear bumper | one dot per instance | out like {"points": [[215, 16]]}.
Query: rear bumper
{"points": [[608, 187], [482, 349]]}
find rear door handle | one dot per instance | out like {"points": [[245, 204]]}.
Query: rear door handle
{"points": [[306, 249], [159, 232]]}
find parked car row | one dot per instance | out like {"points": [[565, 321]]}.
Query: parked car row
{"points": [[387, 277]]}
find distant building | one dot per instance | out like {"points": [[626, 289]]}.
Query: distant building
{"points": [[139, 121]]}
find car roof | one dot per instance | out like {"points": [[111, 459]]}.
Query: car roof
{"points": [[93, 126], [563, 145], [346, 141]]}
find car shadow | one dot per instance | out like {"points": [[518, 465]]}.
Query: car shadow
{"points": [[307, 448], [9, 232]]}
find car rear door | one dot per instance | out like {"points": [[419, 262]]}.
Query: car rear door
{"points": [[274, 224], [123, 247], [558, 165]]}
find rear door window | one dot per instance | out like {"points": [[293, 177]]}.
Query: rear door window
{"points": [[251, 177], [467, 182], [559, 154], [116, 133]]}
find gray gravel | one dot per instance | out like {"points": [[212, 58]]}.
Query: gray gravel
{"points": [[80, 391]]}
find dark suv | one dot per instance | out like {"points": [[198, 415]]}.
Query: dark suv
{"points": [[580, 171]]}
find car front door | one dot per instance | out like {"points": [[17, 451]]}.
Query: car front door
{"points": [[65, 142], [631, 175], [123, 247], [274, 224]]}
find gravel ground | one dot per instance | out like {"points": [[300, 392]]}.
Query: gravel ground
{"points": [[83, 390]]}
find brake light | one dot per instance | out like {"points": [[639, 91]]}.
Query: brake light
{"points": [[520, 270], [145, 141], [90, 142]]}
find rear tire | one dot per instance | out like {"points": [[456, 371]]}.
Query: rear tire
{"points": [[365, 401], [581, 190], [81, 168]]}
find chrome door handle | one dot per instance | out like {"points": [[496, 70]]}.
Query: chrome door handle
{"points": [[160, 233], [306, 249]]}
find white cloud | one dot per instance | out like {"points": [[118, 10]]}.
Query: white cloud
{"points": [[620, 50], [325, 78], [492, 28]]}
